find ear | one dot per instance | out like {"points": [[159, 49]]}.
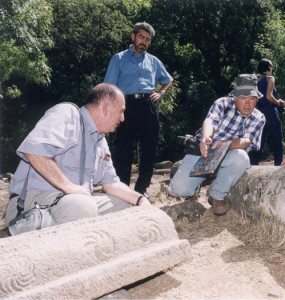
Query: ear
{"points": [[105, 107], [133, 36]]}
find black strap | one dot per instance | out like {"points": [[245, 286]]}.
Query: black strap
{"points": [[22, 197], [82, 153]]}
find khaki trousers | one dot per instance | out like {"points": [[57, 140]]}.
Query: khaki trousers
{"points": [[70, 207]]}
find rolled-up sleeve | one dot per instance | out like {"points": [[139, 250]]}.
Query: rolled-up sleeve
{"points": [[104, 170], [112, 74], [162, 75], [254, 133], [216, 113], [54, 133]]}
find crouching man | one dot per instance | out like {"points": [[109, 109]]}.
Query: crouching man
{"points": [[232, 118], [66, 153]]}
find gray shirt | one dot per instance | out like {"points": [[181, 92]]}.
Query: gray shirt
{"points": [[58, 134]]}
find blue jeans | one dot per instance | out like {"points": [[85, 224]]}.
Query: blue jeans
{"points": [[229, 172]]}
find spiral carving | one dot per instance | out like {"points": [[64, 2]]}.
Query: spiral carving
{"points": [[18, 280], [102, 243], [148, 231]]}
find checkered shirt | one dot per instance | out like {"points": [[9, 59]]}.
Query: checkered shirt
{"points": [[229, 124]]}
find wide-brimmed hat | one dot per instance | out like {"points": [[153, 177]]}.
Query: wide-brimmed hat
{"points": [[246, 85]]}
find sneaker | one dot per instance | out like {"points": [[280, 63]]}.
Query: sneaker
{"points": [[220, 207]]}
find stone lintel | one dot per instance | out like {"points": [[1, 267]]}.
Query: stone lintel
{"points": [[90, 257]]}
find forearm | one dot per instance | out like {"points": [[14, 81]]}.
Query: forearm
{"points": [[241, 143], [49, 170], [123, 192], [273, 100], [165, 87], [269, 93], [207, 129], [156, 95]]}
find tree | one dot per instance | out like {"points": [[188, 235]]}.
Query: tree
{"points": [[24, 36]]}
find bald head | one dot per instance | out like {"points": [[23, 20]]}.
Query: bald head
{"points": [[106, 105], [102, 91]]}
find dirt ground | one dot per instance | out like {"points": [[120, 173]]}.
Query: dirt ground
{"points": [[233, 257]]}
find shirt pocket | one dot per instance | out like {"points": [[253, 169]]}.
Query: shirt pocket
{"points": [[101, 164]]}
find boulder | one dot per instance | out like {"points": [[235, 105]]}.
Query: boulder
{"points": [[163, 165], [260, 193]]}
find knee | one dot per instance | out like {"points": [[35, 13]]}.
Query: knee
{"points": [[74, 207], [239, 160], [179, 186]]}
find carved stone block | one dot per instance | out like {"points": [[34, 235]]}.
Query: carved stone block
{"points": [[90, 257]]}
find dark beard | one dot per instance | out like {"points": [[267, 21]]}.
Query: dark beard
{"points": [[141, 48]]}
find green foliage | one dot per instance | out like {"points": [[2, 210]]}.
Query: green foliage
{"points": [[167, 102], [24, 36], [86, 34], [52, 51]]}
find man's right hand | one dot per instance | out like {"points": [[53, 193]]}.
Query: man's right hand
{"points": [[204, 146], [76, 189]]}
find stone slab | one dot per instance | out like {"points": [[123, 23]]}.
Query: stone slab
{"points": [[90, 257]]}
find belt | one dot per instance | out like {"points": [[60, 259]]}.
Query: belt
{"points": [[137, 96]]}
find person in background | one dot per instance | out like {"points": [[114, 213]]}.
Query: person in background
{"points": [[232, 118], [268, 105], [67, 153], [138, 73]]}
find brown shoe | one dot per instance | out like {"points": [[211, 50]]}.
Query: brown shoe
{"points": [[220, 207], [211, 200]]}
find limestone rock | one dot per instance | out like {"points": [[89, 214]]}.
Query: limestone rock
{"points": [[90, 257], [175, 168], [161, 171], [163, 165], [188, 210], [260, 192]]}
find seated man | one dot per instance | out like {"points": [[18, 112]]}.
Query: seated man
{"points": [[233, 118], [67, 153]]}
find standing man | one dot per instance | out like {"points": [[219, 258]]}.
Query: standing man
{"points": [[232, 118], [67, 153], [137, 73]]}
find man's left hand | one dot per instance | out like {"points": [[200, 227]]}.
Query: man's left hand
{"points": [[155, 96]]}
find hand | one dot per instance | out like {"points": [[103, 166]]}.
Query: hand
{"points": [[204, 146], [217, 145], [281, 103], [283, 163], [76, 189], [154, 96]]}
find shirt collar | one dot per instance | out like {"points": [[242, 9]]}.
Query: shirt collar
{"points": [[89, 124]]}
